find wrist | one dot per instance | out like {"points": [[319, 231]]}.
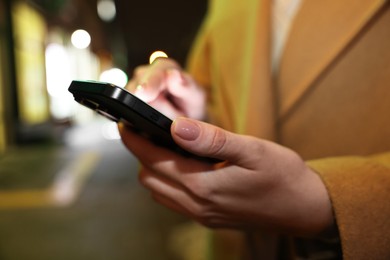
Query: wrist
{"points": [[321, 212]]}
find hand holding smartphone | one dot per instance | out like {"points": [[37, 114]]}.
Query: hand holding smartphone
{"points": [[117, 104]]}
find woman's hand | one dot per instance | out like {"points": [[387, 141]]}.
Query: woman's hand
{"points": [[166, 87], [259, 185]]}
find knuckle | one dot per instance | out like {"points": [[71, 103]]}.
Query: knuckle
{"points": [[258, 147], [199, 189], [203, 197], [204, 207], [218, 141], [203, 193]]}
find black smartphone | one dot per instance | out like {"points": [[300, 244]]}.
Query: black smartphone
{"points": [[117, 104]]}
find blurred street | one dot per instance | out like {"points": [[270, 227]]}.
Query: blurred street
{"points": [[68, 187], [79, 200]]}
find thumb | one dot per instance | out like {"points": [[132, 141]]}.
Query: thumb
{"points": [[209, 141]]}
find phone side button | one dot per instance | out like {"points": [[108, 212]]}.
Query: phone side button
{"points": [[154, 116]]}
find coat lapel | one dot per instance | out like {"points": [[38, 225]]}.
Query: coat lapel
{"points": [[319, 34]]}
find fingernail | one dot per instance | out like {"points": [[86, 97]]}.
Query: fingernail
{"points": [[186, 129]]}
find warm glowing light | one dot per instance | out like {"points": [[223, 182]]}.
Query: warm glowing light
{"points": [[115, 76], [81, 39], [106, 10], [57, 70], [58, 77], [157, 54], [110, 131]]}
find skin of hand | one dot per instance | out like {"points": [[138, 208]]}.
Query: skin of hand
{"points": [[166, 87], [259, 184]]}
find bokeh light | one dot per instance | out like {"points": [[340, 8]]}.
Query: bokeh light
{"points": [[157, 54], [81, 39], [115, 76], [106, 10]]}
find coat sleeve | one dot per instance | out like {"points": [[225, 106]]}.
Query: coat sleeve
{"points": [[359, 188], [198, 62]]}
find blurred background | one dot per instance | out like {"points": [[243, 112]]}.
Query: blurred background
{"points": [[68, 187]]}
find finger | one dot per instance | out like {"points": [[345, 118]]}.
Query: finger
{"points": [[177, 83], [211, 141], [171, 205], [137, 75], [139, 71], [189, 174], [180, 199], [160, 159], [166, 107], [184, 202], [166, 192], [146, 151], [152, 82], [131, 85], [209, 220], [186, 94]]}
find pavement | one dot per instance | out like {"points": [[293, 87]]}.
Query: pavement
{"points": [[80, 199]]}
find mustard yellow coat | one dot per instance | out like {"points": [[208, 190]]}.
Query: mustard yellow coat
{"points": [[330, 100]]}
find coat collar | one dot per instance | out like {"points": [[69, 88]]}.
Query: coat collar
{"points": [[318, 36]]}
